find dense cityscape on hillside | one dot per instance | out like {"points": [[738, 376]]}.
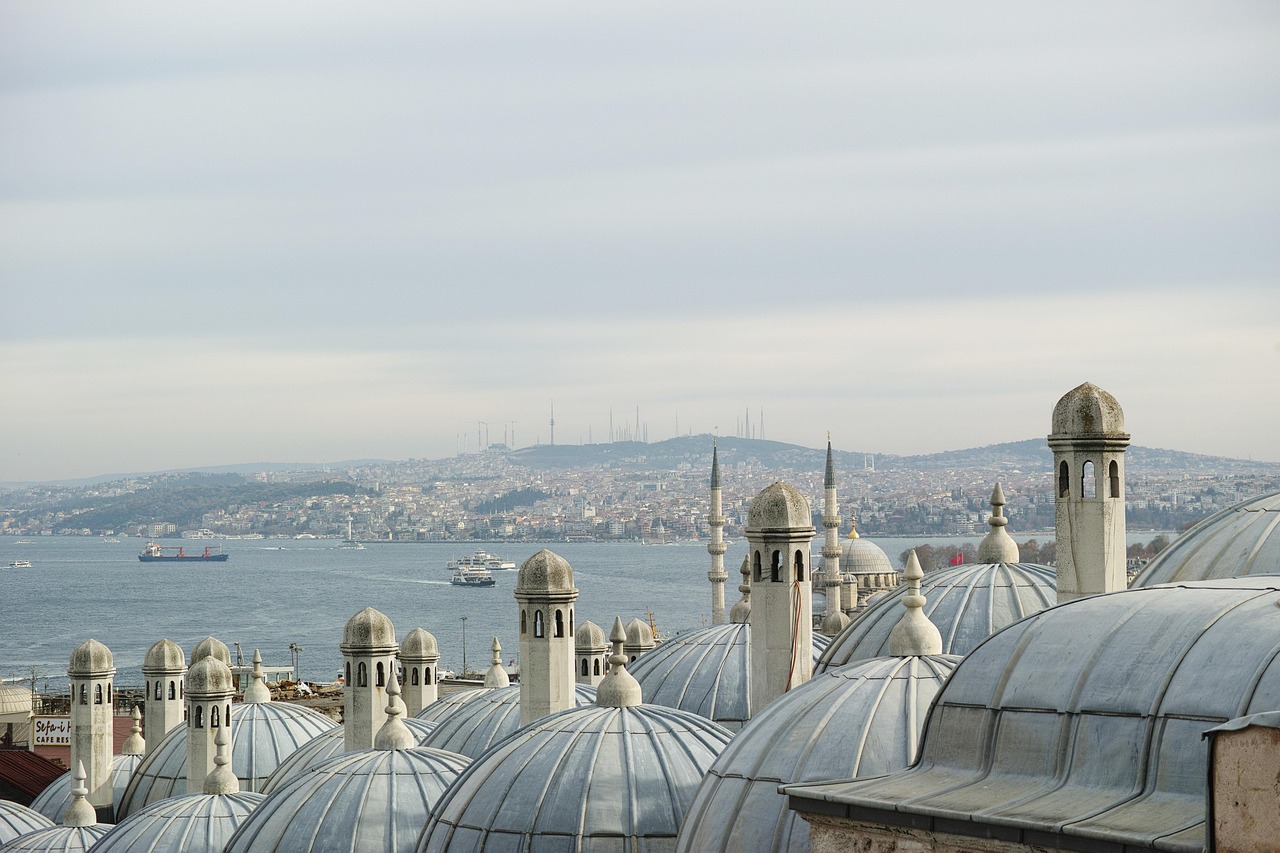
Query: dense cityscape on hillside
{"points": [[619, 491]]}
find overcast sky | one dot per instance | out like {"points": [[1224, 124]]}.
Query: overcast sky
{"points": [[242, 232]]}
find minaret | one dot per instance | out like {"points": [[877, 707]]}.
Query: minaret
{"points": [[134, 743], [1088, 443], [834, 620], [741, 612], [589, 648], [997, 546], [546, 595], [163, 670], [209, 692], [716, 547], [369, 658], [618, 689], [496, 676], [779, 529], [92, 673], [419, 657], [914, 634]]}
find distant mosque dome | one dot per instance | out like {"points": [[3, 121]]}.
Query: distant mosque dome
{"points": [[778, 506], [1088, 410], [1241, 540], [863, 557], [262, 733], [321, 748], [470, 722], [18, 820]]}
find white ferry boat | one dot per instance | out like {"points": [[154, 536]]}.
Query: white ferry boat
{"points": [[481, 559], [471, 576], [19, 564]]}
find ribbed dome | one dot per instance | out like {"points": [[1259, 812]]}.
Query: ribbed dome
{"points": [[584, 779], [368, 801], [472, 725], [211, 647], [779, 507], [18, 820], [323, 747], [863, 719], [418, 644], [262, 735], [164, 656], [1238, 541], [14, 700], [52, 802], [369, 631], [589, 637], [190, 823], [705, 671], [91, 659], [967, 604], [1086, 720], [639, 635], [862, 556], [209, 677], [1087, 410], [544, 572], [58, 839]]}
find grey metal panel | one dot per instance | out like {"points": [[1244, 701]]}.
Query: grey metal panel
{"points": [[327, 745], [484, 718], [192, 823], [58, 839], [54, 799]]}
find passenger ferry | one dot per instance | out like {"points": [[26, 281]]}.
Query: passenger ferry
{"points": [[471, 576], [481, 559]]}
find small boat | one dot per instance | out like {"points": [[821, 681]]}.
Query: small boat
{"points": [[471, 576], [154, 553], [19, 564], [481, 559]]}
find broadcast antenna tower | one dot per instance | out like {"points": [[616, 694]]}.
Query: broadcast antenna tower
{"points": [[553, 423]]}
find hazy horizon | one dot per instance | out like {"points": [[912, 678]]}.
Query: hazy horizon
{"points": [[315, 231]]}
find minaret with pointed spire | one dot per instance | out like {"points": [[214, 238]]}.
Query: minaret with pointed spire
{"points": [[209, 692], [914, 634], [92, 673], [496, 676], [164, 669], [834, 620], [419, 657], [997, 546], [716, 547], [619, 689]]}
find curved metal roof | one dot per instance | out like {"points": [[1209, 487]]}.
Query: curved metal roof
{"points": [[706, 671], [58, 839], [863, 719], [324, 746], [15, 700], [370, 801], [262, 735], [967, 603], [1240, 540], [484, 718], [861, 556], [18, 820], [1085, 720], [54, 799], [192, 823], [585, 779]]}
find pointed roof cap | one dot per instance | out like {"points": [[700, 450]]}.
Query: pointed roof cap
{"points": [[779, 507], [164, 656], [741, 610], [257, 691], [589, 637], [91, 659], [419, 644], [545, 572], [369, 631], [221, 780], [211, 646], [619, 688], [394, 734], [914, 634], [997, 546], [1087, 410], [496, 676], [209, 677], [79, 813], [715, 466], [134, 744], [829, 480]]}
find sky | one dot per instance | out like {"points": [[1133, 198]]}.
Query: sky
{"points": [[246, 232]]}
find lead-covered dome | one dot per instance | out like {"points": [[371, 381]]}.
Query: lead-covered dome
{"points": [[369, 630], [191, 823], [58, 839], [483, 717], [1240, 540], [209, 676], [583, 779], [91, 659], [545, 572], [863, 557], [779, 507], [164, 656], [1087, 410], [419, 644], [967, 604], [52, 802], [1085, 721], [863, 719], [211, 647], [324, 746], [18, 820]]}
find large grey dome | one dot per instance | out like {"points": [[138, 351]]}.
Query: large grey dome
{"points": [[706, 671], [862, 556], [1240, 540], [368, 801], [58, 839], [482, 718], [863, 719], [324, 746], [585, 779], [191, 823], [1086, 720], [967, 603], [262, 735], [52, 802], [18, 820]]}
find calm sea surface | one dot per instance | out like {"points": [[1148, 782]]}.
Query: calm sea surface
{"points": [[272, 593]]}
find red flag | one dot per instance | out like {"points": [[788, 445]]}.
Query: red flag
{"points": [[957, 559]]}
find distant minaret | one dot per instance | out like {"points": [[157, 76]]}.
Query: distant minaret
{"points": [[209, 692], [163, 669], [1088, 443], [716, 547], [553, 423], [369, 657], [779, 530], [546, 595], [834, 620], [91, 672], [419, 657]]}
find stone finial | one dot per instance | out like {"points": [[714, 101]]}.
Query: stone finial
{"points": [[997, 546], [741, 612], [257, 691], [619, 689], [134, 744], [394, 734], [222, 780], [79, 812], [496, 676], [853, 528], [914, 634]]}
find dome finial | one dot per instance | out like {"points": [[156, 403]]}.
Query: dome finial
{"points": [[496, 676], [619, 689], [79, 813], [741, 612], [914, 634], [394, 734], [134, 744], [222, 780], [998, 546], [853, 527], [257, 692]]}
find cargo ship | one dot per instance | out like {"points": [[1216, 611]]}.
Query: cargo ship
{"points": [[154, 553]]}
